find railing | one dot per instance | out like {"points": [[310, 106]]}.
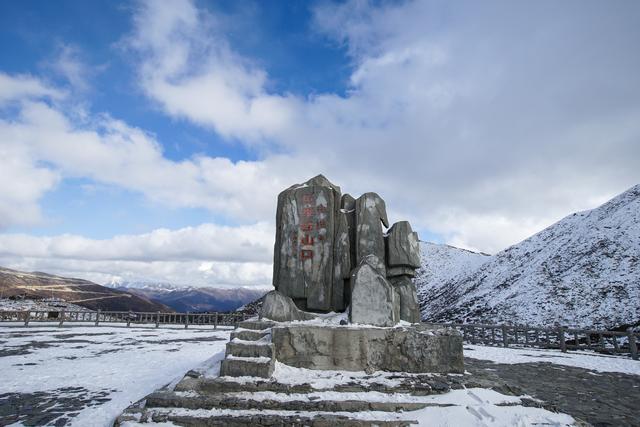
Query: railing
{"points": [[562, 338], [126, 317]]}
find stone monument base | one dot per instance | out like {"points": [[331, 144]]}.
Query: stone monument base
{"points": [[414, 348]]}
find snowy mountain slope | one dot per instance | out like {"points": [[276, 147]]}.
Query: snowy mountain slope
{"points": [[582, 271], [441, 263], [36, 286]]}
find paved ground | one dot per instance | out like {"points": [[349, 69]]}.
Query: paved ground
{"points": [[599, 398]]}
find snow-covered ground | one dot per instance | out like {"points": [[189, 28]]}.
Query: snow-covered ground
{"points": [[96, 372], [109, 366], [579, 359], [49, 304]]}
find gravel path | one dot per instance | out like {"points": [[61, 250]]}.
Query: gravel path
{"points": [[599, 398]]}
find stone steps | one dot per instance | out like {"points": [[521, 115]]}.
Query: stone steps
{"points": [[249, 334], [220, 385], [241, 418], [233, 366], [276, 401], [256, 325], [249, 349], [249, 352]]}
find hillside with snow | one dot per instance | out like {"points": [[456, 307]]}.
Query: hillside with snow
{"points": [[440, 263], [582, 271], [21, 285]]}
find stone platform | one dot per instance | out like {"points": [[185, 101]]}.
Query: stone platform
{"points": [[411, 348]]}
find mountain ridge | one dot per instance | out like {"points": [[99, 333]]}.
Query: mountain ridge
{"points": [[39, 285], [582, 271]]}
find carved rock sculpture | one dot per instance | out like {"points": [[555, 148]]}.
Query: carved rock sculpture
{"points": [[331, 254]]}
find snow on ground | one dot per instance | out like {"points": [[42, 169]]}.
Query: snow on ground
{"points": [[49, 304], [579, 359], [116, 363], [474, 407]]}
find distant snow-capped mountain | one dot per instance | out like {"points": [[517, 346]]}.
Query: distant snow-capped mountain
{"points": [[191, 298], [582, 271]]}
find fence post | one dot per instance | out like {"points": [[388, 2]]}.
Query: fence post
{"points": [[98, 317], [215, 321], [157, 319], [61, 314], [129, 319], [633, 346], [27, 316], [505, 337], [561, 341], [186, 320]]}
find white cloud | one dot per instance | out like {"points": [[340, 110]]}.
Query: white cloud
{"points": [[21, 87], [208, 254], [110, 151], [186, 273], [189, 69], [206, 242], [70, 65]]}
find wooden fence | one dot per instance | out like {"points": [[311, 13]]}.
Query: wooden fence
{"points": [[609, 342], [124, 317]]}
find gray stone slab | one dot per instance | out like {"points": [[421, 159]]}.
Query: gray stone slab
{"points": [[246, 368], [371, 214], [403, 248], [341, 262], [249, 350], [281, 308], [399, 349], [257, 325], [248, 335], [303, 252], [409, 307], [372, 297]]}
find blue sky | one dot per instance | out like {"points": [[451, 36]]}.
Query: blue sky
{"points": [[273, 34], [148, 140]]}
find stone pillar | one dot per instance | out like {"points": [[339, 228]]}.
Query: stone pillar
{"points": [[403, 258], [371, 214], [306, 220]]}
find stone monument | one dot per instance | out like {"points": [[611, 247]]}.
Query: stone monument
{"points": [[331, 254], [344, 300]]}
